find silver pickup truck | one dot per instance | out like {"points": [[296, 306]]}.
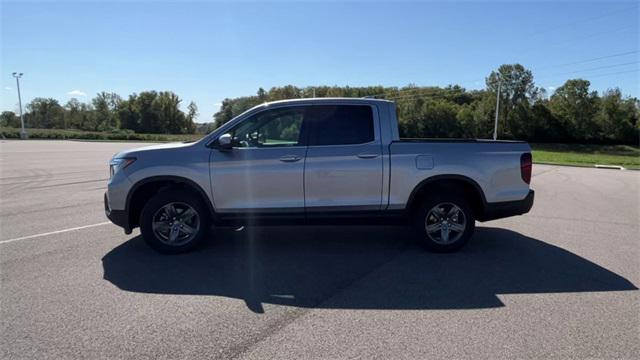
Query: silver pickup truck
{"points": [[322, 160]]}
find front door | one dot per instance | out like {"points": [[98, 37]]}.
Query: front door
{"points": [[264, 171]]}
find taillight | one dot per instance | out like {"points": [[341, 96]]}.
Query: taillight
{"points": [[526, 164]]}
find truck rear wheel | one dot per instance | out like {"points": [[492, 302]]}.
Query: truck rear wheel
{"points": [[174, 221], [445, 223]]}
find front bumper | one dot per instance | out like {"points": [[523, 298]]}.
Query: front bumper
{"points": [[118, 217], [493, 211]]}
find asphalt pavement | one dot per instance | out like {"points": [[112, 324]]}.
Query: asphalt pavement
{"points": [[559, 282]]}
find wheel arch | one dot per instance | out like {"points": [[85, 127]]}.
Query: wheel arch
{"points": [[436, 183], [150, 186]]}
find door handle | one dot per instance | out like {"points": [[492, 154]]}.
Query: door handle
{"points": [[367, 156], [290, 158]]}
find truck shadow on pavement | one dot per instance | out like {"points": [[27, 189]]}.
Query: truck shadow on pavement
{"points": [[357, 268]]}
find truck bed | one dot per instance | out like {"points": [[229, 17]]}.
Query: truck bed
{"points": [[493, 165]]}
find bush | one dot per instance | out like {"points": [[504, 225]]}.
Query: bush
{"points": [[114, 135]]}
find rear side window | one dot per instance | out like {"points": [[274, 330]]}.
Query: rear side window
{"points": [[341, 124]]}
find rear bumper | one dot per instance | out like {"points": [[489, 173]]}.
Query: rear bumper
{"points": [[118, 217], [501, 210]]}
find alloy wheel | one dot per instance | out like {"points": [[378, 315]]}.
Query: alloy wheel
{"points": [[445, 223], [176, 223]]}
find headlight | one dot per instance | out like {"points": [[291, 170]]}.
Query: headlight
{"points": [[118, 164]]}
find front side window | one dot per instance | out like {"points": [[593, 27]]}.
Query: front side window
{"points": [[341, 125], [270, 128]]}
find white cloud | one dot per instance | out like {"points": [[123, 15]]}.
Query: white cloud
{"points": [[76, 93], [7, 88], [217, 104], [551, 88]]}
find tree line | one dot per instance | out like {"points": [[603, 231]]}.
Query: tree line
{"points": [[147, 112], [572, 113]]}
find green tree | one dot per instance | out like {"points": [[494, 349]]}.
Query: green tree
{"points": [[129, 114], [440, 119], [545, 126], [233, 107], [73, 114], [106, 108], [87, 117], [9, 119], [484, 115], [467, 122], [170, 120], [517, 90], [262, 95], [192, 116], [576, 106], [148, 112], [617, 117], [45, 113]]}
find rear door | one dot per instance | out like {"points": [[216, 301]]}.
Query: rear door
{"points": [[343, 168]]}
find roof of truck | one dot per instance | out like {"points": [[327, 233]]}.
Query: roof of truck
{"points": [[327, 99], [311, 101]]}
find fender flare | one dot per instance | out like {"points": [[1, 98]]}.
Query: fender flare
{"points": [[171, 178], [434, 178]]}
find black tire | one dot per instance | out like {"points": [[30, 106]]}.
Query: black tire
{"points": [[179, 200], [420, 222]]}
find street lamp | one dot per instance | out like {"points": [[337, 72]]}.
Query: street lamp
{"points": [[23, 132], [495, 125]]}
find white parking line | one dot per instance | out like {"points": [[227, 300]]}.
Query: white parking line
{"points": [[54, 232]]}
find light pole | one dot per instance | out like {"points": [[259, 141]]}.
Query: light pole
{"points": [[23, 132], [495, 126]]}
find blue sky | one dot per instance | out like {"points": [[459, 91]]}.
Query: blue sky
{"points": [[206, 51]]}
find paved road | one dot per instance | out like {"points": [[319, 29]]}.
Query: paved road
{"points": [[558, 282]]}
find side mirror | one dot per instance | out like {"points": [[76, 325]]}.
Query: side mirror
{"points": [[225, 142]]}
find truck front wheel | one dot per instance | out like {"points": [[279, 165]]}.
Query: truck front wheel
{"points": [[174, 221], [445, 223]]}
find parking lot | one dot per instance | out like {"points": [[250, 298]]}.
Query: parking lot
{"points": [[558, 282]]}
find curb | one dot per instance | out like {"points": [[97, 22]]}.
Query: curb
{"points": [[596, 166], [615, 167]]}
